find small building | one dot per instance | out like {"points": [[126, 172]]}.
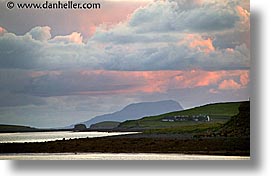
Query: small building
{"points": [[180, 118], [168, 119]]}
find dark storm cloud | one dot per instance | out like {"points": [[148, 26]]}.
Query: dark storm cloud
{"points": [[206, 19], [12, 82], [232, 39], [76, 83], [18, 51]]}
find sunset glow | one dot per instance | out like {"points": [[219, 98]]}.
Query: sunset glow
{"points": [[75, 64]]}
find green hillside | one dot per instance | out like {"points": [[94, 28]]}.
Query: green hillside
{"points": [[219, 113], [105, 125], [238, 125]]}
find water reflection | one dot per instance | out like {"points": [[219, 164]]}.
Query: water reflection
{"points": [[52, 136], [116, 156]]}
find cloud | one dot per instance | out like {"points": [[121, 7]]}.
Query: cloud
{"points": [[41, 33], [187, 4], [65, 53], [101, 82], [196, 41], [195, 52], [2, 30], [151, 39], [13, 80], [78, 83], [75, 37], [229, 84], [244, 78], [12, 100], [206, 19], [231, 39], [19, 51], [22, 88], [123, 34], [156, 17], [21, 21], [164, 16], [244, 17]]}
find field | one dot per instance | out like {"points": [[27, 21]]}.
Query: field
{"points": [[105, 125], [219, 113]]}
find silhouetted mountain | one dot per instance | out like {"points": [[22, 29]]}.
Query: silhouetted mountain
{"points": [[16, 128], [136, 111]]}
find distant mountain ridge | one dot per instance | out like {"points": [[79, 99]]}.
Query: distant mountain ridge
{"points": [[16, 128], [137, 110]]}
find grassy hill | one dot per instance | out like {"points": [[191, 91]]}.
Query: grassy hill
{"points": [[238, 125], [219, 113], [105, 125]]}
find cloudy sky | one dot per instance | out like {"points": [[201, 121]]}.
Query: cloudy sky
{"points": [[59, 67]]}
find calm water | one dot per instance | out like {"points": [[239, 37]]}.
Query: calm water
{"points": [[51, 136], [112, 156]]}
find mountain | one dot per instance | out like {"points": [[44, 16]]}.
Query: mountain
{"points": [[136, 111]]}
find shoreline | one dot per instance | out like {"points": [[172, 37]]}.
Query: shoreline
{"points": [[138, 143], [115, 156]]}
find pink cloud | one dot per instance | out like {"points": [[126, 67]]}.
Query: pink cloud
{"points": [[92, 30], [102, 82], [244, 18], [2, 30], [244, 78], [36, 74], [161, 81], [112, 14], [229, 84], [75, 37], [243, 12], [197, 42]]}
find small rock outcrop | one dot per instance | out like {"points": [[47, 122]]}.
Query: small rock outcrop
{"points": [[80, 127]]}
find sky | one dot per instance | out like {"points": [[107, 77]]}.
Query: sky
{"points": [[59, 67]]}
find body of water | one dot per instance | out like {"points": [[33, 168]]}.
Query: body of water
{"points": [[52, 136], [115, 156]]}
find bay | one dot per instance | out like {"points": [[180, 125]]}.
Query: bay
{"points": [[52, 136]]}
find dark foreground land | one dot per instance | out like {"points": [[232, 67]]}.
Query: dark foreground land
{"points": [[138, 144], [231, 138]]}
